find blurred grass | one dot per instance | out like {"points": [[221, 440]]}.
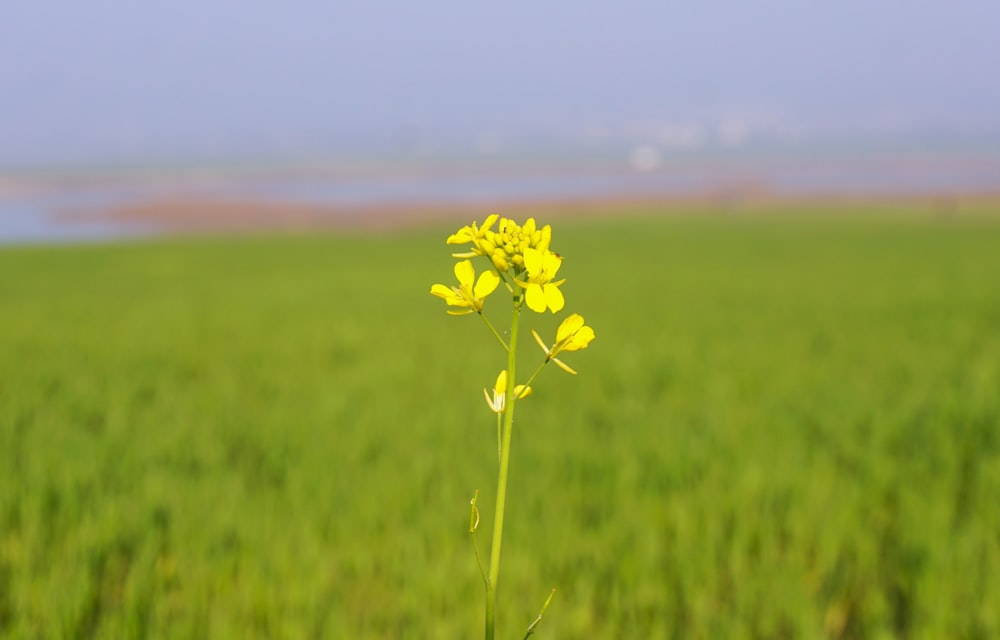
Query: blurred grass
{"points": [[787, 427]]}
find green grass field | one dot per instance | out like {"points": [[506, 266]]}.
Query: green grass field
{"points": [[787, 427]]}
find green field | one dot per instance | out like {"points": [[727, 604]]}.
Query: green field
{"points": [[787, 427]]}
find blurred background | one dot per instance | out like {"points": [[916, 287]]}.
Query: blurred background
{"points": [[116, 119]]}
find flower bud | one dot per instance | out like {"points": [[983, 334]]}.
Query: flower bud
{"points": [[499, 260]]}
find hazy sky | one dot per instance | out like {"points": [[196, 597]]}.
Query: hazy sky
{"points": [[111, 81]]}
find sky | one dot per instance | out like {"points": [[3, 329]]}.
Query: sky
{"points": [[106, 82]]}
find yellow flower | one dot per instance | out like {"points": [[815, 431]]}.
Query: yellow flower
{"points": [[465, 296], [477, 236], [540, 291], [498, 401], [572, 335]]}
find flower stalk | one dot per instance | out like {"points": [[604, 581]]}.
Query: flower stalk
{"points": [[508, 428]]}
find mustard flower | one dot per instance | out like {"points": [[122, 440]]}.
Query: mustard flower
{"points": [[540, 291], [476, 235], [572, 335], [498, 401], [467, 297]]}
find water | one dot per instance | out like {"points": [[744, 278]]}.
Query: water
{"points": [[34, 216], [73, 207]]}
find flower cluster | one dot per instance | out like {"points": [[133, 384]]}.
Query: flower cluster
{"points": [[520, 257], [519, 252], [505, 247]]}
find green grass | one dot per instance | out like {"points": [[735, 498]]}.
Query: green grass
{"points": [[787, 427]]}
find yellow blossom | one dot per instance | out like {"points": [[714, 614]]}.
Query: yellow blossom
{"points": [[498, 401], [467, 297], [572, 335], [476, 235], [540, 291]]}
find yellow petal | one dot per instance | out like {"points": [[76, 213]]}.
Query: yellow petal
{"points": [[568, 327], [487, 283], [551, 263], [501, 385], [546, 238], [521, 391], [449, 295], [532, 261], [461, 236], [535, 298], [580, 339], [553, 297], [465, 272], [490, 219], [529, 227], [496, 403], [441, 291]]}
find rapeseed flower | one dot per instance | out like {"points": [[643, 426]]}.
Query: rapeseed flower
{"points": [[572, 335], [476, 235], [498, 401], [521, 258], [467, 297], [540, 292]]}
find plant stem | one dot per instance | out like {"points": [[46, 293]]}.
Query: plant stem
{"points": [[499, 437], [508, 423], [535, 374], [494, 331]]}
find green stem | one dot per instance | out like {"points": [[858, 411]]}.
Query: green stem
{"points": [[535, 374], [499, 437], [494, 332], [508, 423]]}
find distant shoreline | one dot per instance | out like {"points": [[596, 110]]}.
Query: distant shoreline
{"points": [[106, 203], [193, 216]]}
